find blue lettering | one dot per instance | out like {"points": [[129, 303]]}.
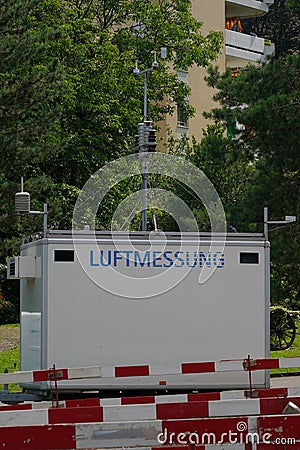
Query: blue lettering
{"points": [[156, 259], [188, 259], [177, 257], [92, 259], [203, 259], [102, 259], [117, 257], [127, 253], [219, 260], [141, 261], [167, 258]]}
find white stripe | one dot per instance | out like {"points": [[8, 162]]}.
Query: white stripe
{"points": [[228, 366], [129, 412], [165, 370], [227, 395], [108, 372], [285, 363], [179, 398], [46, 405], [16, 377], [226, 408], [294, 392], [85, 372], [252, 424], [110, 401], [111, 435], [23, 417]]}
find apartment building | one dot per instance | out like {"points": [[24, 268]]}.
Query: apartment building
{"points": [[239, 50]]}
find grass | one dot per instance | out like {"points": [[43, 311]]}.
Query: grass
{"points": [[11, 325], [10, 359]]}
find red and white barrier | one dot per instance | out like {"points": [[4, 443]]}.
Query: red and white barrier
{"points": [[138, 422], [275, 393], [148, 371], [152, 411], [232, 430]]}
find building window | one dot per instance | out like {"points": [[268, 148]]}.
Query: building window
{"points": [[181, 120], [235, 71]]}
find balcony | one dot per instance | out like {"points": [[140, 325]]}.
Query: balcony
{"points": [[242, 49], [247, 8]]}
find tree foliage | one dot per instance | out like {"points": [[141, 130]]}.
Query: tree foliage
{"points": [[69, 101], [281, 26], [266, 100], [295, 6]]}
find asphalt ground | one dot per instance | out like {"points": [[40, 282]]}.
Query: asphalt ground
{"points": [[287, 380]]}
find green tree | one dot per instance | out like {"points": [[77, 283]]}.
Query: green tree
{"points": [[295, 6], [281, 26], [32, 84], [69, 101], [266, 100]]}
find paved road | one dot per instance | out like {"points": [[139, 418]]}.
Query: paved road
{"points": [[285, 382]]}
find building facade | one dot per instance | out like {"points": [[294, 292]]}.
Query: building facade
{"points": [[239, 50]]}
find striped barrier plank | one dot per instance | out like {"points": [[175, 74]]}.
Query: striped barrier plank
{"points": [[173, 398], [158, 411], [148, 371], [233, 430]]}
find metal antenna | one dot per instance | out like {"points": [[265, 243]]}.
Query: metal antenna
{"points": [[287, 219], [144, 155]]}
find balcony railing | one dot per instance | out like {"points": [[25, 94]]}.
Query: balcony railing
{"points": [[244, 47], [247, 8]]}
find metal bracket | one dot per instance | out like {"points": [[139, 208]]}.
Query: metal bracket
{"points": [[249, 363], [55, 375], [249, 394]]}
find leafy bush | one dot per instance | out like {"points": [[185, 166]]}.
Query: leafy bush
{"points": [[8, 312], [9, 298]]}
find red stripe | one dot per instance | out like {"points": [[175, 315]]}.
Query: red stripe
{"points": [[272, 447], [82, 402], [132, 371], [274, 392], [137, 400], [75, 415], [198, 367], [272, 405], [48, 375], [204, 396], [197, 447], [276, 405], [13, 407], [208, 430], [179, 410], [42, 437], [262, 364], [280, 427]]}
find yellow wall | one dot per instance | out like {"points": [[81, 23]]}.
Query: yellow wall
{"points": [[212, 14]]}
